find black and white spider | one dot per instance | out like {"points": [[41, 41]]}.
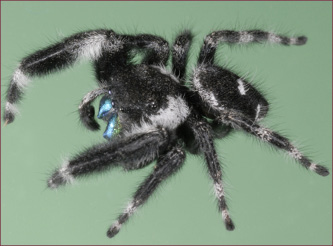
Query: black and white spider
{"points": [[150, 113]]}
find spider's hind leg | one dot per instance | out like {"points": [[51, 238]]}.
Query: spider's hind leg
{"points": [[239, 121], [231, 37]]}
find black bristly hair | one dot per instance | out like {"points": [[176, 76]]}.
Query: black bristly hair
{"points": [[151, 113]]}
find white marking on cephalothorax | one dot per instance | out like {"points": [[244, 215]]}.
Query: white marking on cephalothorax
{"points": [[273, 38], [91, 47], [245, 37], [313, 166], [241, 87], [218, 189], [20, 79], [258, 111], [172, 116], [162, 69], [169, 118], [143, 127], [11, 108], [295, 153]]}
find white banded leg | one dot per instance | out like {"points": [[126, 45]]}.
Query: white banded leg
{"points": [[239, 121], [166, 166]]}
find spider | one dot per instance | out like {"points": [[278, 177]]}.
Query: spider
{"points": [[155, 114]]}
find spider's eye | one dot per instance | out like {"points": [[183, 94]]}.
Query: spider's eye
{"points": [[105, 107]]}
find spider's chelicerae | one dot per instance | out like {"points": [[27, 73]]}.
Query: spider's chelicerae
{"points": [[151, 113]]}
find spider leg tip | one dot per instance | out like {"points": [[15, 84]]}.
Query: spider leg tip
{"points": [[53, 183], [112, 232], [302, 40], [59, 178], [230, 225], [8, 119], [321, 170], [6, 123]]}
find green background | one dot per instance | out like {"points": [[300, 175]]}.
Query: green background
{"points": [[271, 198]]}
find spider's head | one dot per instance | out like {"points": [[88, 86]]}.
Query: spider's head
{"points": [[108, 113]]}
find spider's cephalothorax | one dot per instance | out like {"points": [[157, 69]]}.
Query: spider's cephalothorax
{"points": [[150, 112]]}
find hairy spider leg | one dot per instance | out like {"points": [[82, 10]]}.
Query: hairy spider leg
{"points": [[211, 42], [239, 121], [166, 166], [89, 45], [180, 50], [203, 135], [157, 48], [131, 153], [80, 46]]}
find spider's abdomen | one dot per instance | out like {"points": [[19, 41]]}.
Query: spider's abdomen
{"points": [[221, 89]]}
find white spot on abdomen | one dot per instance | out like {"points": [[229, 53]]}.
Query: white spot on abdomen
{"points": [[205, 94], [241, 87], [258, 111]]}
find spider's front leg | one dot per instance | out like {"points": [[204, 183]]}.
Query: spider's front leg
{"points": [[166, 166], [90, 45], [85, 45], [132, 153]]}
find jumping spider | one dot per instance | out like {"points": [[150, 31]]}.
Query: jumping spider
{"points": [[150, 113]]}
